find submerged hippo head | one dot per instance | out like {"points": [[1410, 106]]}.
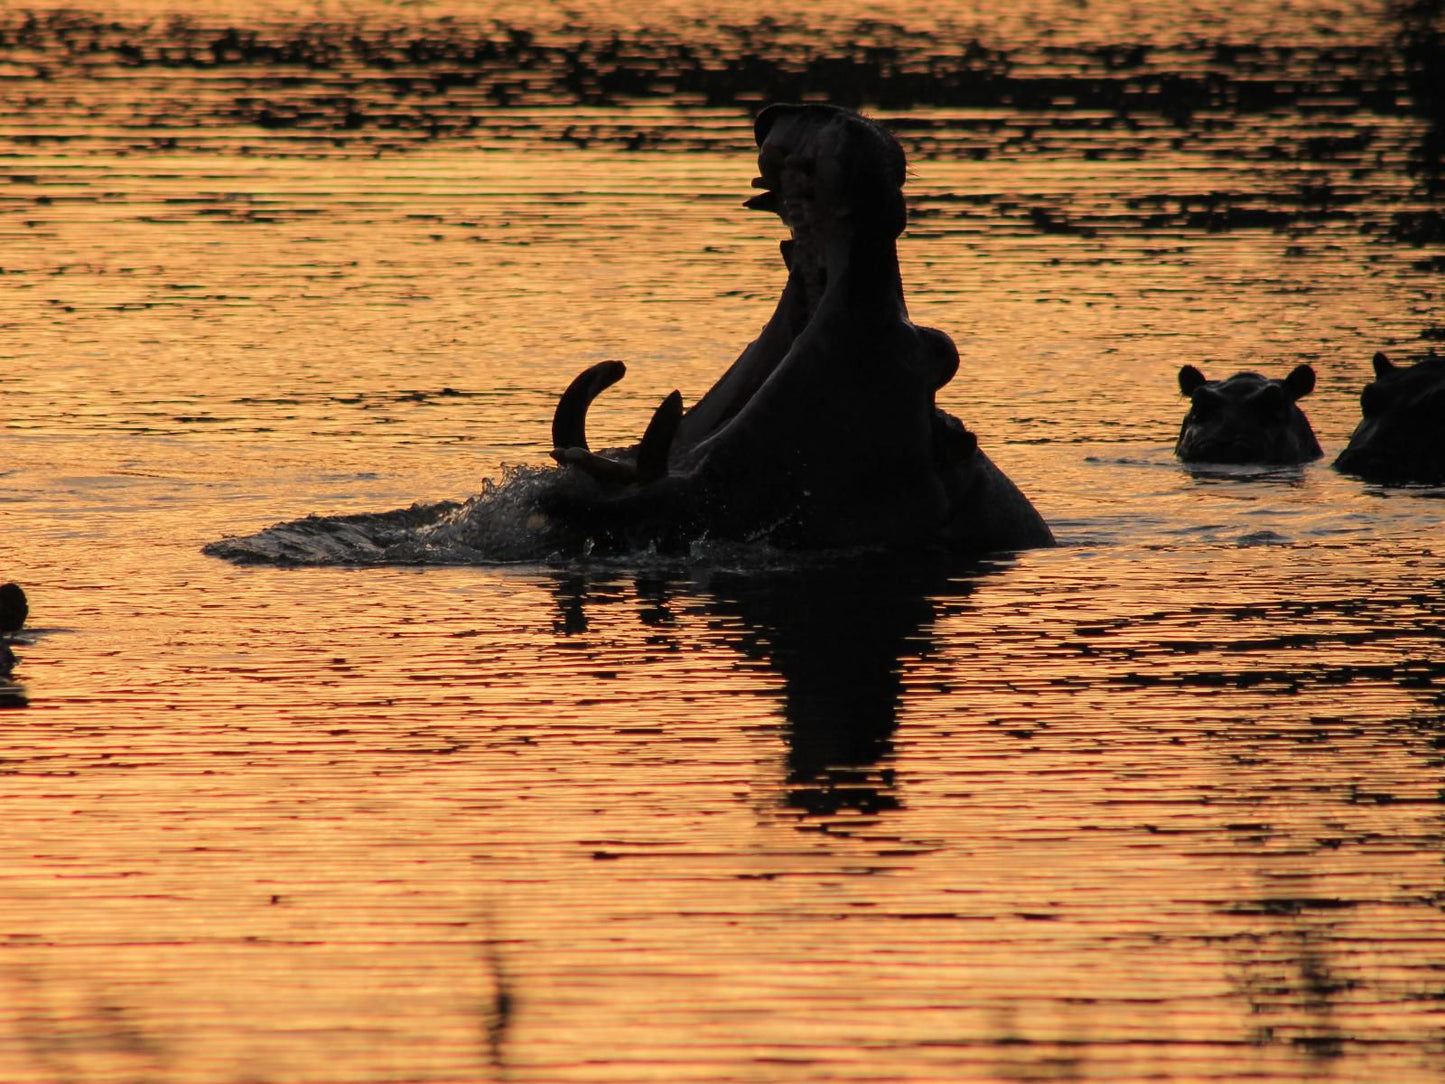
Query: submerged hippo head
{"points": [[1401, 436], [1248, 418]]}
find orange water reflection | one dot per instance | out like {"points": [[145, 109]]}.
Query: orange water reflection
{"points": [[1161, 804]]}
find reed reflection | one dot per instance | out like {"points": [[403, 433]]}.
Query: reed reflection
{"points": [[1421, 41], [1282, 965]]}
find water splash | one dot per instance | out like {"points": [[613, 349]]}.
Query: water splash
{"points": [[502, 523]]}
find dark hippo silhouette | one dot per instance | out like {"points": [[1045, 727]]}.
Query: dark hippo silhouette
{"points": [[824, 432], [1248, 418], [1401, 437], [14, 609]]}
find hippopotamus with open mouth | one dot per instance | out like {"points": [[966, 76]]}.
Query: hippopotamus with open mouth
{"points": [[824, 432], [1401, 436], [1247, 418]]}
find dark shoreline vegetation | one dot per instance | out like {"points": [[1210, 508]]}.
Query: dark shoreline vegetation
{"points": [[362, 85], [860, 64]]}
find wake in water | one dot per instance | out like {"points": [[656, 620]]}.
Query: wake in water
{"points": [[502, 523], [506, 523]]}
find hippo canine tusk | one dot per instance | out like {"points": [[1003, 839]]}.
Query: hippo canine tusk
{"points": [[569, 430], [657, 439], [569, 422]]}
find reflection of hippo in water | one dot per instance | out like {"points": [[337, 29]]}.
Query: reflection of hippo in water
{"points": [[1248, 418], [1401, 437], [824, 431]]}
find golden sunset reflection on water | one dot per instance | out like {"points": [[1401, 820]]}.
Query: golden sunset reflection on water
{"points": [[1163, 803]]}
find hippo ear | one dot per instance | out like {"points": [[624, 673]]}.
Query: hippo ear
{"points": [[1300, 382], [1189, 379], [1383, 365]]}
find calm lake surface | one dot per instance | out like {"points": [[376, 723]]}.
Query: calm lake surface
{"points": [[1163, 803]]}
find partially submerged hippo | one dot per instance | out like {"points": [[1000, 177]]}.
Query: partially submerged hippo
{"points": [[1248, 418], [14, 608], [1401, 436], [824, 432]]}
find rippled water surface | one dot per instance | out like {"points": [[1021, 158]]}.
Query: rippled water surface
{"points": [[1163, 803]]}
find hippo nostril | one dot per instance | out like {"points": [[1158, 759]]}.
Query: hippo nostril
{"points": [[1270, 402]]}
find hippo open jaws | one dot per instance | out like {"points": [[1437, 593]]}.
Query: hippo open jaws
{"points": [[824, 433]]}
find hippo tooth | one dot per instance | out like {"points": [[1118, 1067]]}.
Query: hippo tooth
{"points": [[657, 439], [569, 423]]}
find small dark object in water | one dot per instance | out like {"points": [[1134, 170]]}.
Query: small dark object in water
{"points": [[1401, 436], [14, 608], [1248, 418]]}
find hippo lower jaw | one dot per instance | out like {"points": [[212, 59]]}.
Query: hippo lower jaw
{"points": [[824, 432]]}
